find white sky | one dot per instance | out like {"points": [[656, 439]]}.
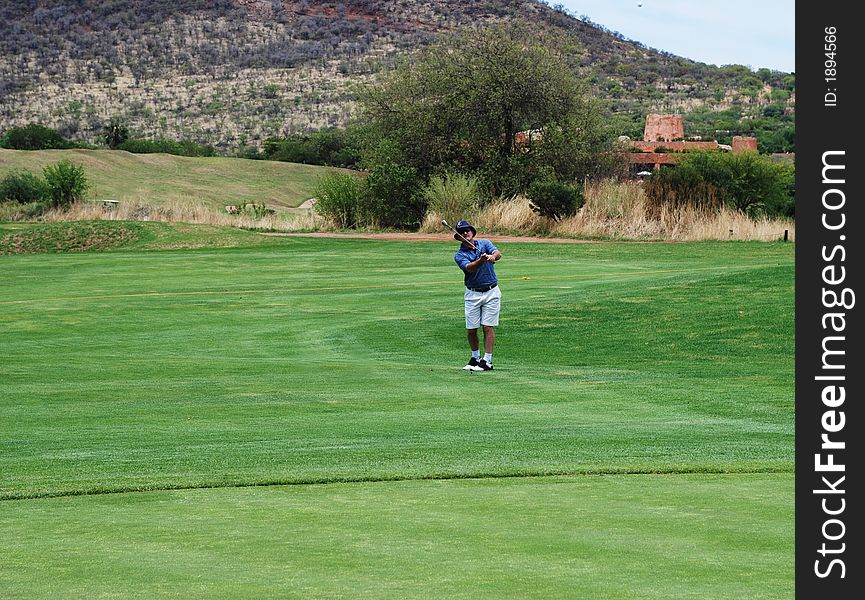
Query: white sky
{"points": [[754, 33]]}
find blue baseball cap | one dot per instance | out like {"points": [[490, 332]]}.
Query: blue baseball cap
{"points": [[464, 226]]}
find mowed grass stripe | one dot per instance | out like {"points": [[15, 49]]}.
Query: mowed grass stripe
{"points": [[449, 283], [688, 371], [650, 537]]}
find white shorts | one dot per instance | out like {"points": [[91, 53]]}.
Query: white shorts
{"points": [[482, 308]]}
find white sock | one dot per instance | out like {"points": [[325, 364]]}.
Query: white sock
{"points": [[476, 354], [488, 357]]}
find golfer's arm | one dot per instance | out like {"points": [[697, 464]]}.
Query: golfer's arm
{"points": [[476, 264]]}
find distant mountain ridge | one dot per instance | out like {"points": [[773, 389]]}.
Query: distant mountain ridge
{"points": [[233, 73]]}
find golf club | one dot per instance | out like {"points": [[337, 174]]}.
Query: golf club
{"points": [[471, 244]]}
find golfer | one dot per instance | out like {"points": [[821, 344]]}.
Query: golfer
{"points": [[482, 296]]}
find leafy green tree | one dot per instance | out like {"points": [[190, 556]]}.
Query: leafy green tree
{"points": [[463, 107], [66, 183], [116, 132], [393, 197]]}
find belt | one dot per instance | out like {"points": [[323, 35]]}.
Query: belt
{"points": [[483, 289]]}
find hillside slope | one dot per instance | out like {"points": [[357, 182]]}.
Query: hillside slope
{"points": [[158, 179], [233, 73]]}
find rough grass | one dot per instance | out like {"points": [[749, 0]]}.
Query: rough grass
{"points": [[70, 237]]}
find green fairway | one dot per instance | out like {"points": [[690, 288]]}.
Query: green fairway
{"points": [[311, 361]]}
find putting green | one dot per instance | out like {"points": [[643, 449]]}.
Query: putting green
{"points": [[636, 536]]}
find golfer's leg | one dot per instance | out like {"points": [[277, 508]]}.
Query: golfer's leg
{"points": [[474, 342], [489, 338], [490, 318], [473, 318]]}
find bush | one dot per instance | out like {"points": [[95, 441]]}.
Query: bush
{"points": [[393, 197], [743, 181], [328, 147], [23, 187], [555, 199], [338, 198], [294, 150], [163, 146], [66, 183], [453, 196], [13, 211], [116, 132], [251, 210], [34, 137], [783, 204]]}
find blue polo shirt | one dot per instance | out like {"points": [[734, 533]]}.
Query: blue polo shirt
{"points": [[485, 276]]}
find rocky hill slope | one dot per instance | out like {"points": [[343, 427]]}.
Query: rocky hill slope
{"points": [[233, 73]]}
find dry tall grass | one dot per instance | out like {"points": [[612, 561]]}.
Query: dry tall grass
{"points": [[612, 209], [188, 211], [618, 210]]}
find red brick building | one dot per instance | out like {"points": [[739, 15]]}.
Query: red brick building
{"points": [[666, 133]]}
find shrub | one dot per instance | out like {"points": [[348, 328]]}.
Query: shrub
{"points": [[251, 210], [743, 181], [783, 204], [393, 197], [294, 150], [66, 183], [329, 147], [555, 199], [338, 198], [116, 132], [23, 187], [163, 146], [453, 196], [13, 211], [34, 137]]}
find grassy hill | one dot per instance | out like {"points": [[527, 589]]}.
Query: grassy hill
{"points": [[157, 179]]}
